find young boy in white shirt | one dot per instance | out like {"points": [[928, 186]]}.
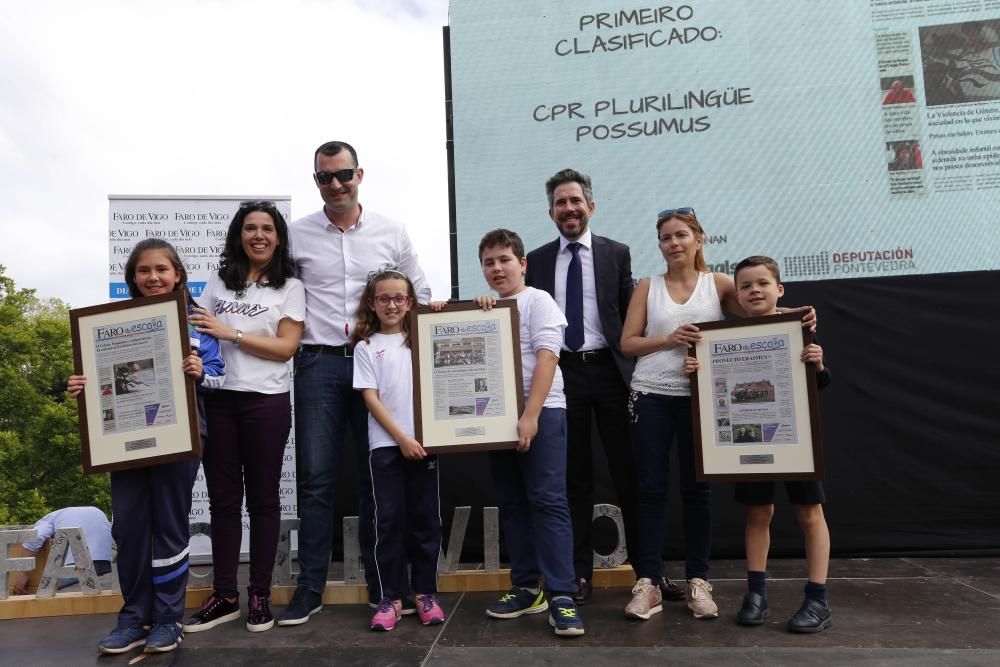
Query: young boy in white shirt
{"points": [[531, 481]]}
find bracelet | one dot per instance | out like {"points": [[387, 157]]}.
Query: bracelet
{"points": [[238, 338]]}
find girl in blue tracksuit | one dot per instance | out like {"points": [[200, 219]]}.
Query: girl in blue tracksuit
{"points": [[150, 505]]}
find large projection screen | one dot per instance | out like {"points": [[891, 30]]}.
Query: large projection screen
{"points": [[847, 139]]}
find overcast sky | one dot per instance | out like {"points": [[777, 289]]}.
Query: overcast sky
{"points": [[210, 97]]}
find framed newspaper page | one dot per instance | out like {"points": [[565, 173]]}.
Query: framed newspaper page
{"points": [[754, 401], [467, 389], [137, 408]]}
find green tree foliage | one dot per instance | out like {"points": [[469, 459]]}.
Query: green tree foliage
{"points": [[39, 439]]}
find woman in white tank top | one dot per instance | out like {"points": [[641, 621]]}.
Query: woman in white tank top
{"points": [[658, 330]]}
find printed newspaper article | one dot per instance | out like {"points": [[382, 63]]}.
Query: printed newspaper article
{"points": [[752, 394], [939, 61], [900, 114], [134, 383], [467, 375]]}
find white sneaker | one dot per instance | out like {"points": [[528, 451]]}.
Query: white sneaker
{"points": [[646, 600], [699, 597]]}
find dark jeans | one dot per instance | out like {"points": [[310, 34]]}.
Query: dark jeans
{"points": [[532, 491], [407, 522], [249, 431], [326, 403], [656, 420], [596, 389]]}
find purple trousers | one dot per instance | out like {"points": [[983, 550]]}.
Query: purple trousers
{"points": [[248, 433]]}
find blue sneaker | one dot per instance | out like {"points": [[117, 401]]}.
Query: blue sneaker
{"points": [[564, 618], [164, 637], [518, 602], [122, 640]]}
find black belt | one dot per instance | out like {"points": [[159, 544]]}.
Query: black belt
{"points": [[335, 350], [586, 356]]}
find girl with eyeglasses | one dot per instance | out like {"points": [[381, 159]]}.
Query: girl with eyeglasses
{"points": [[256, 308], [404, 477]]}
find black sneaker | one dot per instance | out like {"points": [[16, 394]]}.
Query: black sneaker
{"points": [[259, 619], [214, 611], [304, 604], [409, 606]]}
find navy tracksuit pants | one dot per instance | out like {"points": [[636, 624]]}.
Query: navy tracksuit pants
{"points": [[407, 513], [150, 508]]}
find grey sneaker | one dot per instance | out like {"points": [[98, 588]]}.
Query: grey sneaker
{"points": [[646, 600], [699, 596]]}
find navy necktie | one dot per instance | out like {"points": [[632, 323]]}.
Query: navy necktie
{"points": [[574, 300]]}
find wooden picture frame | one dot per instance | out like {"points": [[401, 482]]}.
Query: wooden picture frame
{"points": [[754, 403], [137, 408], [467, 386]]}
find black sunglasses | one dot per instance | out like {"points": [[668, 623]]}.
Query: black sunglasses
{"points": [[342, 175], [667, 212], [263, 203]]}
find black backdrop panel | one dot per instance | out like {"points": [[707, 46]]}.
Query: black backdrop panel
{"points": [[910, 427]]}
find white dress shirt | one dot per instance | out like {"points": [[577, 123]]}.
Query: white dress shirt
{"points": [[593, 332], [333, 266]]}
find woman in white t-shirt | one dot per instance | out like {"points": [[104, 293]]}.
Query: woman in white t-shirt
{"points": [[256, 308]]}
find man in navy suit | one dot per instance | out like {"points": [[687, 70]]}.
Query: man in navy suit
{"points": [[590, 278]]}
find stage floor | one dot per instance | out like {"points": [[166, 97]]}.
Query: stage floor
{"points": [[887, 611]]}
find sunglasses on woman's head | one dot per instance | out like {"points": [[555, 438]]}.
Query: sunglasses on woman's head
{"points": [[257, 204], [667, 212]]}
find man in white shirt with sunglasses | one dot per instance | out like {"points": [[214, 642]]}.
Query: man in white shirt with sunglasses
{"points": [[334, 249]]}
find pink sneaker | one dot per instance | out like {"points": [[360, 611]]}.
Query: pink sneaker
{"points": [[387, 615], [430, 610]]}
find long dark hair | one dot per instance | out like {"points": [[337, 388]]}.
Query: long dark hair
{"points": [[175, 260], [235, 265]]}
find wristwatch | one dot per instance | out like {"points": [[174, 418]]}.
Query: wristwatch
{"points": [[238, 338]]}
